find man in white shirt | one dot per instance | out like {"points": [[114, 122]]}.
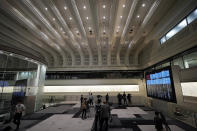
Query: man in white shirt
{"points": [[20, 108]]}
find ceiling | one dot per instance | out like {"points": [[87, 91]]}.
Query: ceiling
{"points": [[80, 33]]}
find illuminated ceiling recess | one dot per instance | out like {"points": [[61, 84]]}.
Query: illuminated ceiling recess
{"points": [[79, 33]]}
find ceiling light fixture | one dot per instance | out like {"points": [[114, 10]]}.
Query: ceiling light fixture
{"points": [[87, 18], [143, 5], [54, 19], [121, 17], [70, 18], [123, 6], [138, 16], [104, 17], [46, 8], [84, 7], [65, 7], [104, 6], [89, 28]]}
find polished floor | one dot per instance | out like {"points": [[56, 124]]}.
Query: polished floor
{"points": [[67, 117]]}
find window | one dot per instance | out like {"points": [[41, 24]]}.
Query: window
{"points": [[179, 62], [176, 29], [192, 16], [190, 60]]}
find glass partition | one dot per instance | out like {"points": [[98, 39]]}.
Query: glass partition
{"points": [[22, 79], [190, 60]]}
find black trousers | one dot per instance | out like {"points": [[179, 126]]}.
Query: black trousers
{"points": [[84, 113], [17, 119], [102, 121], [91, 102], [97, 120]]}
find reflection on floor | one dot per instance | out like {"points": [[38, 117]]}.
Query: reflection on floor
{"points": [[67, 117]]}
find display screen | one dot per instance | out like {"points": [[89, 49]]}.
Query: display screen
{"points": [[159, 84]]}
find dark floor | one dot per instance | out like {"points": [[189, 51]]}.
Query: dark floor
{"points": [[132, 118]]}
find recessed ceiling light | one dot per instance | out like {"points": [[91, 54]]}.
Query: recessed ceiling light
{"points": [[104, 31], [87, 18], [89, 28], [65, 7], [11, 54], [104, 17], [121, 17], [117, 31], [104, 6], [46, 8], [143, 5], [70, 18], [1, 52], [54, 19], [84, 7], [138, 16], [123, 6]]}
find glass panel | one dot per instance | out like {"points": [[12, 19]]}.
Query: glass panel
{"points": [[192, 16], [162, 40], [179, 62], [190, 60], [176, 29]]}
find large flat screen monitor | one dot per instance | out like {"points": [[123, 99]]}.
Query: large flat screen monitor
{"points": [[159, 84]]}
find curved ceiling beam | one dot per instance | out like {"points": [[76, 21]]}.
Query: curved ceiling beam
{"points": [[165, 23], [7, 41], [126, 27], [66, 28], [141, 29], [27, 23], [22, 32], [113, 16], [60, 44], [93, 4], [82, 30], [25, 43]]}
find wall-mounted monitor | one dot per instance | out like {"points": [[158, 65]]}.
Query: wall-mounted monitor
{"points": [[159, 84]]}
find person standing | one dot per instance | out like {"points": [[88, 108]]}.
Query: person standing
{"points": [[84, 108], [129, 98], [91, 98], [97, 114], [164, 122], [105, 115], [107, 98], [124, 96], [158, 122], [81, 99], [119, 96], [19, 109]]}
